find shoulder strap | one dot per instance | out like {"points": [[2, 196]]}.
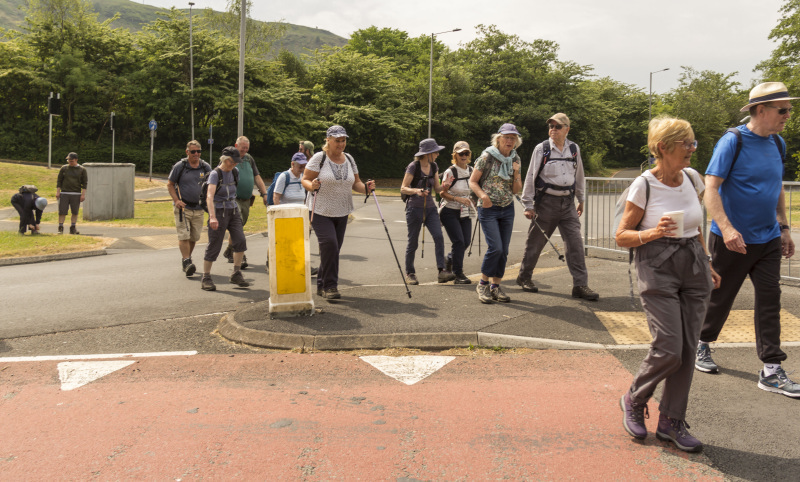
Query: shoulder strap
{"points": [[322, 162], [545, 157], [738, 135], [285, 181], [780, 147]]}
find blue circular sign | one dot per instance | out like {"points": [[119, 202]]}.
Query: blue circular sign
{"points": [[153, 125]]}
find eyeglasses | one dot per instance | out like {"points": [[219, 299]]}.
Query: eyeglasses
{"points": [[689, 145], [198, 151], [781, 110], [555, 126], [464, 153]]}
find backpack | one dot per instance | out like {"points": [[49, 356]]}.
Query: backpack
{"points": [[180, 174], [271, 188], [204, 187], [539, 183], [418, 178], [738, 135], [28, 188]]}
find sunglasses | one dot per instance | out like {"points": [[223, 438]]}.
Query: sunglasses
{"points": [[781, 110], [555, 126], [198, 151], [464, 153]]}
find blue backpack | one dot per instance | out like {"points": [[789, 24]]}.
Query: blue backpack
{"points": [[271, 188]]}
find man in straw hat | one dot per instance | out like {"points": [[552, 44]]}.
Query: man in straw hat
{"points": [[750, 232]]}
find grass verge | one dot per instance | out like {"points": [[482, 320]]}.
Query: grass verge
{"points": [[12, 245]]}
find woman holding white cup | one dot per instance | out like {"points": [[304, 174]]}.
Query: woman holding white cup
{"points": [[675, 278]]}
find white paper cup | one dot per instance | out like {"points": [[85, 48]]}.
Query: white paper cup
{"points": [[677, 218]]}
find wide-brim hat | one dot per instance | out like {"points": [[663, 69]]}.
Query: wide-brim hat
{"points": [[299, 158], [561, 118], [767, 92], [508, 129], [428, 146], [233, 153]]}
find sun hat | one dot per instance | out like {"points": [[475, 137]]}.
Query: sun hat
{"points": [[233, 153], [461, 146], [767, 92], [309, 146], [428, 146], [508, 129], [336, 131], [299, 158], [561, 118]]}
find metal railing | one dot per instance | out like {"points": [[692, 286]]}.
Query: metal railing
{"points": [[598, 224]]}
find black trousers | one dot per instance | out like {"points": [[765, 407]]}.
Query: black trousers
{"points": [[763, 264]]}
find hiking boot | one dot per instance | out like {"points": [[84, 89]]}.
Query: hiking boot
{"points": [[60, 229], [448, 263], [703, 360], [484, 293], [779, 383], [461, 279], [188, 267], [228, 253], [207, 284], [331, 294], [314, 271], [244, 262], [676, 431], [445, 276], [73, 230], [584, 292], [411, 279], [498, 295], [238, 279], [633, 416], [529, 286], [320, 292]]}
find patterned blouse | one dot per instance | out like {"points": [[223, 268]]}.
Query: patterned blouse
{"points": [[497, 188], [336, 186]]}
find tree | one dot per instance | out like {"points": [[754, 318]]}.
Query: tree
{"points": [[259, 36]]}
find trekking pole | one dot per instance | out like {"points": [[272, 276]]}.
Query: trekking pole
{"points": [[408, 292], [313, 206], [477, 223], [560, 256], [424, 211]]}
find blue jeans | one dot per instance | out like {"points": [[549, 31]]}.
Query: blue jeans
{"points": [[458, 230], [497, 224], [414, 223]]}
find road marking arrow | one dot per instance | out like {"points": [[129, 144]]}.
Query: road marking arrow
{"points": [[78, 374], [408, 369]]}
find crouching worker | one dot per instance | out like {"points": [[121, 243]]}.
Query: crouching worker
{"points": [[29, 206], [223, 214]]}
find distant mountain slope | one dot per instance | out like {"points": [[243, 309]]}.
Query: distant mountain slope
{"points": [[133, 15]]}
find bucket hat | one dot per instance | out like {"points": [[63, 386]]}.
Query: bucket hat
{"points": [[767, 92], [428, 146]]}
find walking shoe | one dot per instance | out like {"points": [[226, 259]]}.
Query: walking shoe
{"points": [[320, 292], [498, 295], [331, 294], [448, 262], [228, 253], [411, 279], [633, 416], [703, 360], [779, 383], [484, 293], [188, 267], [445, 276], [238, 279], [528, 285], [73, 230], [675, 431], [207, 284], [461, 279], [314, 271], [244, 262], [584, 292], [60, 229]]}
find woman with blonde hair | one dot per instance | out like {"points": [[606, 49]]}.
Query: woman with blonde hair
{"points": [[456, 210], [675, 279]]}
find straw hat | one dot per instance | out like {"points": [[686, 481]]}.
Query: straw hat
{"points": [[767, 92]]}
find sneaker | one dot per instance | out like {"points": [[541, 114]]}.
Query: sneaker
{"points": [[331, 294], [703, 360], [244, 262], [633, 416], [498, 295], [60, 229], [208, 285], [188, 267], [73, 230], [228, 253], [314, 271], [779, 383], [676, 431], [238, 279], [445, 276], [584, 292], [529, 286], [411, 279], [484, 293], [448, 262], [461, 279]]}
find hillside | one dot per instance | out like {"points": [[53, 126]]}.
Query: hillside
{"points": [[134, 15]]}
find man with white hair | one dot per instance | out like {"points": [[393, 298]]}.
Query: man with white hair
{"points": [[750, 231]]}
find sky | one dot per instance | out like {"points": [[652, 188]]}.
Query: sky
{"points": [[621, 39]]}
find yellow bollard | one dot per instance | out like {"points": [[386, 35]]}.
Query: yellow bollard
{"points": [[289, 261]]}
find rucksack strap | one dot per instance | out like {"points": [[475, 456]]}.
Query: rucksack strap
{"points": [[539, 183], [738, 134]]}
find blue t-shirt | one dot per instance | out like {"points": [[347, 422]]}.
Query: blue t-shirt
{"points": [[225, 195], [751, 191]]}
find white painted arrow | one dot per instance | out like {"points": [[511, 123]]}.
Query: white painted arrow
{"points": [[78, 374], [408, 369]]}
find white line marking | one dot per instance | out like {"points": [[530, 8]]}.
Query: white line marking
{"points": [[408, 369], [94, 357], [78, 374]]}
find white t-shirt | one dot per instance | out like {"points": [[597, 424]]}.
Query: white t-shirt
{"points": [[664, 199], [335, 196], [458, 189], [294, 193]]}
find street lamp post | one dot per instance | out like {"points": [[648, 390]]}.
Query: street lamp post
{"points": [[191, 66], [650, 108], [242, 26], [430, 79]]}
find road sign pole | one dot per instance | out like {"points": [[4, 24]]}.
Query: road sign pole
{"points": [[152, 137], [112, 138]]}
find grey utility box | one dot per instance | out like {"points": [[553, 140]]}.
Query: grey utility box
{"points": [[109, 194]]}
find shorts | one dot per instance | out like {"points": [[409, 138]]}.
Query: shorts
{"points": [[244, 209], [69, 202], [192, 225]]}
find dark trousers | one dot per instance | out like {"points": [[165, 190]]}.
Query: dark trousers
{"points": [[330, 234], [229, 220], [497, 224], [763, 264], [458, 230], [27, 216], [414, 221]]}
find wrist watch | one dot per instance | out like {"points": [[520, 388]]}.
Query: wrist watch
{"points": [[784, 227]]}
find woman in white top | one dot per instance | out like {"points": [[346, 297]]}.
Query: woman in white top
{"points": [[334, 175], [457, 209], [675, 279]]}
